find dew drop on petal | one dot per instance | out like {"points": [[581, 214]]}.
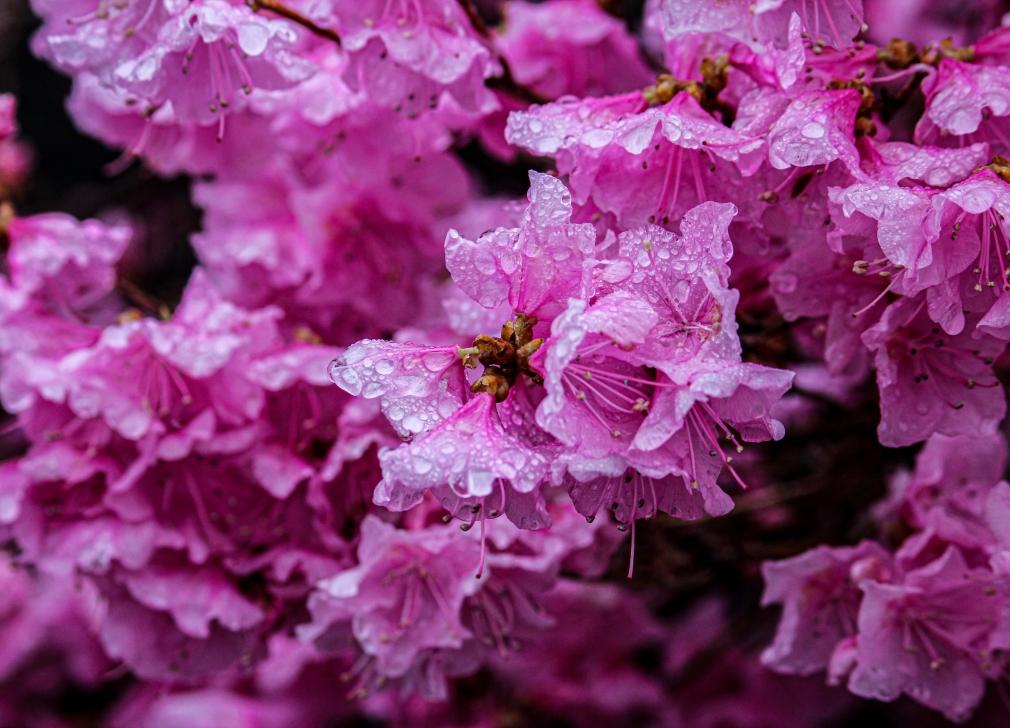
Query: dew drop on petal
{"points": [[812, 130]]}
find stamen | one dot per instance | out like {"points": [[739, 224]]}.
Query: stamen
{"points": [[483, 542], [707, 431], [875, 301]]}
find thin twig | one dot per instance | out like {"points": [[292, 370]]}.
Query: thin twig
{"points": [[475, 19], [142, 298], [276, 7], [506, 82], [6, 215], [613, 8]]}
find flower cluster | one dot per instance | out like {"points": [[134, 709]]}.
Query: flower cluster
{"points": [[396, 425], [928, 619]]}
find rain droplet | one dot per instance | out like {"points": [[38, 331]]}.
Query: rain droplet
{"points": [[812, 130]]}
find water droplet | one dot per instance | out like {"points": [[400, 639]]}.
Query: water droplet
{"points": [[812, 130]]}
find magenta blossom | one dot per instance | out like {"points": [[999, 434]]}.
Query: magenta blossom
{"points": [[819, 591], [930, 381], [932, 636]]}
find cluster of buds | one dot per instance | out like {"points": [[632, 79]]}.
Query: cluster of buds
{"points": [[714, 74], [504, 358]]}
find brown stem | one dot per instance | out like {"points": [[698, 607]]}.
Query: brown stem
{"points": [[475, 19], [614, 8], [285, 12], [6, 215], [505, 83], [142, 298]]}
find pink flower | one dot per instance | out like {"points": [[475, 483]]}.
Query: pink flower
{"points": [[62, 264], [631, 495], [893, 162], [964, 279], [819, 592], [570, 47], [816, 128], [404, 597], [537, 267], [642, 164], [948, 492], [923, 22], [469, 452], [407, 58], [45, 629], [958, 95], [817, 282], [149, 642], [930, 381], [173, 362], [656, 381], [931, 637], [204, 57], [195, 599], [834, 22], [417, 386]]}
